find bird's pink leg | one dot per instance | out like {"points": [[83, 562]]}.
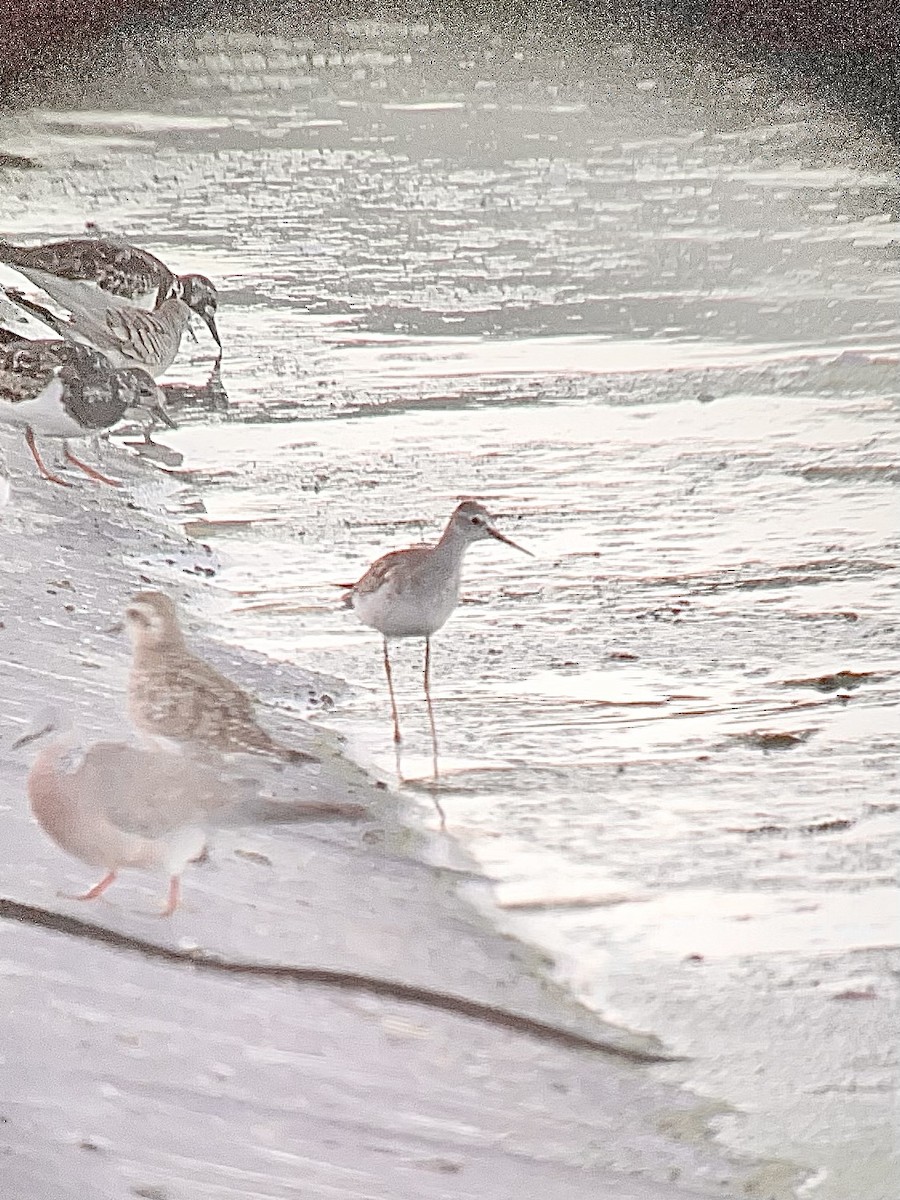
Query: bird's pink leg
{"points": [[97, 890], [390, 682], [32, 446], [173, 897], [91, 471]]}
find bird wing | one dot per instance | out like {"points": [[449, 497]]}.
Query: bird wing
{"points": [[26, 370], [112, 324], [149, 339], [116, 267], [389, 571], [190, 699], [89, 388], [152, 792]]}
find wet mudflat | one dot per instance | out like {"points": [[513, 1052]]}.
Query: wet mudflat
{"points": [[657, 334]]}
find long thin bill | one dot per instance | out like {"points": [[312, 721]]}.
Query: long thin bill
{"points": [[213, 328], [495, 533]]}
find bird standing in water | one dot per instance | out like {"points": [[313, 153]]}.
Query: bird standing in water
{"points": [[413, 592]]}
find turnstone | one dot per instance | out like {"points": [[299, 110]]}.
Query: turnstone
{"points": [[112, 805], [412, 592], [60, 389], [174, 694], [116, 267], [127, 335]]}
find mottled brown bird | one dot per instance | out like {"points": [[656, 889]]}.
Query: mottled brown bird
{"points": [[118, 268], [129, 336], [174, 694], [58, 389]]}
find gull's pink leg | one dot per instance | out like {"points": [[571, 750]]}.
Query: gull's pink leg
{"points": [[91, 471], [32, 446], [173, 897], [97, 890]]}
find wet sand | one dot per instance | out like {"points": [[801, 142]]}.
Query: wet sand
{"points": [[326, 1011], [665, 342]]}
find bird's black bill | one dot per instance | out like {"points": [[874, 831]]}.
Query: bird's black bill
{"points": [[211, 326], [495, 533], [162, 416]]}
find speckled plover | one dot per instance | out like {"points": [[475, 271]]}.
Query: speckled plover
{"points": [[174, 694]]}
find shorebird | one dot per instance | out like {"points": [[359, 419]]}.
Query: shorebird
{"points": [[59, 389], [116, 267], [113, 805], [174, 694], [129, 336], [412, 593]]}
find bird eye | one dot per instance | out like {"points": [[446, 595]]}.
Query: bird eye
{"points": [[477, 521]]}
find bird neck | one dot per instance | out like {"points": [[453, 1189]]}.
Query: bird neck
{"points": [[167, 643], [451, 548]]}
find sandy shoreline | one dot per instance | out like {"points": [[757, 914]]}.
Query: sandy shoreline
{"points": [[136, 1043]]}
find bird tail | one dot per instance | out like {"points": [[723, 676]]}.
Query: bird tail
{"points": [[347, 598], [294, 756], [260, 740], [42, 314]]}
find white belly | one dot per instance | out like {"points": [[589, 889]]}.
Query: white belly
{"points": [[411, 612], [45, 413]]}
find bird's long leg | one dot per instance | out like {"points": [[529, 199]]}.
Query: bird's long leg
{"points": [[390, 683], [97, 890], [434, 745], [32, 446], [91, 471], [434, 748], [397, 738], [173, 897]]}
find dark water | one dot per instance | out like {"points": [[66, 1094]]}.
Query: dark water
{"points": [[651, 320]]}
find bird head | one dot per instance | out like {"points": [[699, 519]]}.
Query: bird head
{"points": [[152, 620], [201, 296], [471, 521]]}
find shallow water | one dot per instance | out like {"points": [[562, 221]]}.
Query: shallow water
{"points": [[651, 321]]}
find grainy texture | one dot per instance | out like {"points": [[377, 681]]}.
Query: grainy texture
{"points": [[153, 1077]]}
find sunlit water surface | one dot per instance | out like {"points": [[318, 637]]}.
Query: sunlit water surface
{"points": [[652, 322]]}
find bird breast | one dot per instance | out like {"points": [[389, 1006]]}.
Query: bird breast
{"points": [[406, 606]]}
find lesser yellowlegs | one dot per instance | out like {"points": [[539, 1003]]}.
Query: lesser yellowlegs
{"points": [[412, 593]]}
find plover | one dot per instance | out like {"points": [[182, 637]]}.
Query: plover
{"points": [[59, 389], [113, 805], [174, 694], [116, 267], [412, 593], [127, 335]]}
